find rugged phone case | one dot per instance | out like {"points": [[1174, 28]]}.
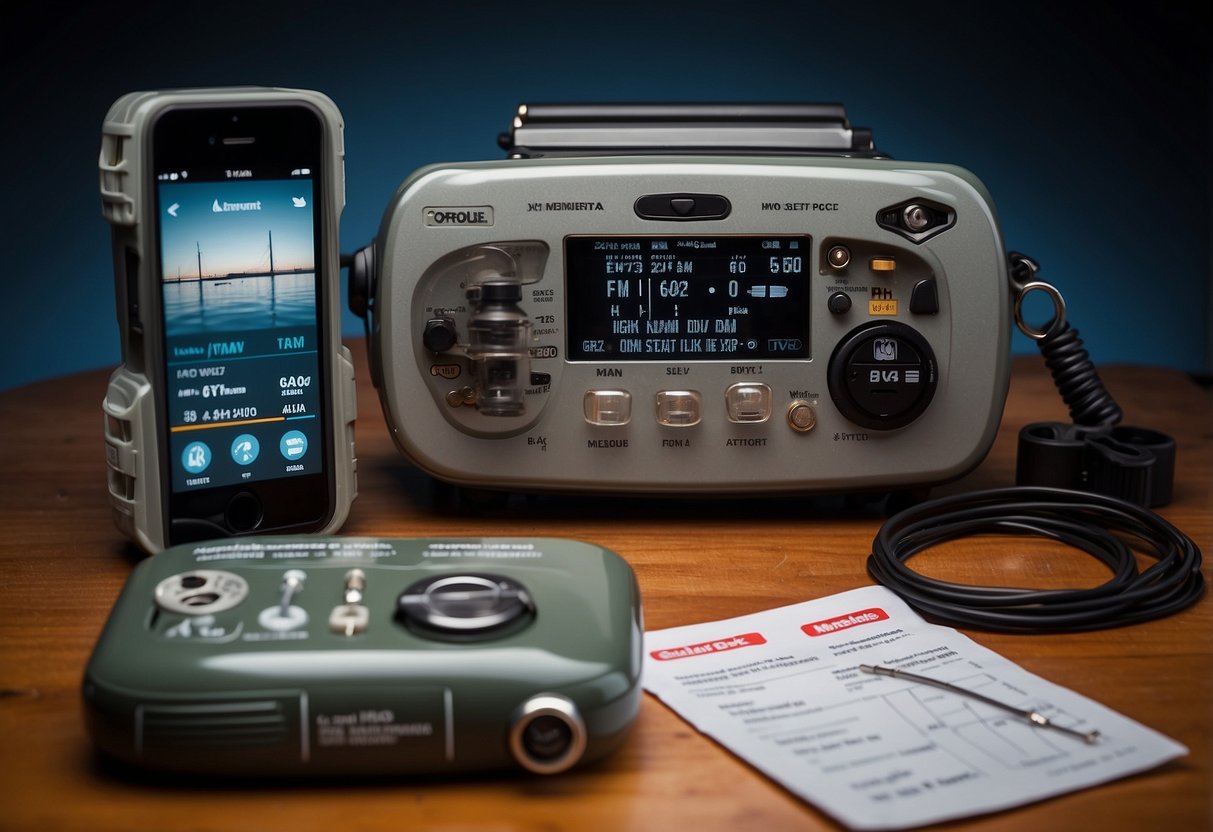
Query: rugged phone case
{"points": [[131, 424]]}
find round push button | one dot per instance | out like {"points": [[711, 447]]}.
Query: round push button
{"points": [[802, 417], [839, 303], [243, 512]]}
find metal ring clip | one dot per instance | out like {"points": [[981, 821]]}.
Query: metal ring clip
{"points": [[1058, 320]]}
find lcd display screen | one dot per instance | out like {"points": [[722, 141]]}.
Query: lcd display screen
{"points": [[687, 298]]}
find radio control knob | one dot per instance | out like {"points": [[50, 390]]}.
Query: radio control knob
{"points": [[439, 334], [882, 375], [465, 607]]}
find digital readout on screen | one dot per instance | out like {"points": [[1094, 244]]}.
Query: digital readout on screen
{"points": [[241, 330], [687, 298]]}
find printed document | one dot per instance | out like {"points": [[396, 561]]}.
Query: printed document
{"points": [[783, 690]]}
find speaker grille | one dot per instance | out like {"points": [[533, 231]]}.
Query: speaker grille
{"points": [[213, 724]]}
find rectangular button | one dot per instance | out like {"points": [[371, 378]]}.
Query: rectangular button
{"points": [[679, 408], [607, 407], [748, 402]]}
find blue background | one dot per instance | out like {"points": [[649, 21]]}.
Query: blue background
{"points": [[1089, 123]]}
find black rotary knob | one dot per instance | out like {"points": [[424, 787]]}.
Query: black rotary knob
{"points": [[439, 334], [882, 375]]}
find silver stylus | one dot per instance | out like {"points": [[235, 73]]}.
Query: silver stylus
{"points": [[1034, 717]]}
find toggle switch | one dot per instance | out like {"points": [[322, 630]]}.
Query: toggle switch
{"points": [[286, 616], [292, 585], [355, 585], [349, 619]]}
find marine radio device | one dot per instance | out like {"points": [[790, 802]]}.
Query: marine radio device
{"points": [[689, 299]]}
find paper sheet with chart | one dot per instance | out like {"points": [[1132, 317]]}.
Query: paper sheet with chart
{"points": [[783, 690]]}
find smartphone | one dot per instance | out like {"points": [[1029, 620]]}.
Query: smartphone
{"points": [[233, 410]]}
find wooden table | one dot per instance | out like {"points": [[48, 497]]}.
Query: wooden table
{"points": [[62, 563]]}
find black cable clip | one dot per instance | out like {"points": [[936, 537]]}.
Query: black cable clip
{"points": [[1134, 464]]}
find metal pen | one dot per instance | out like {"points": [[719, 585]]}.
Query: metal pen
{"points": [[1034, 717]]}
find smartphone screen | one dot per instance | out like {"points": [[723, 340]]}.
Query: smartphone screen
{"points": [[239, 200]]}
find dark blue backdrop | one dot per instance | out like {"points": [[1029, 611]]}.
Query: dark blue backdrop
{"points": [[1090, 124]]}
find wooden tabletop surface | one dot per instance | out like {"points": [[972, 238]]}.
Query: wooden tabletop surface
{"points": [[62, 564]]}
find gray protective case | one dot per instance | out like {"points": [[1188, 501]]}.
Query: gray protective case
{"points": [[451, 226], [131, 426]]}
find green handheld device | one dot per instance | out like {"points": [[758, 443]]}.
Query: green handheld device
{"points": [[291, 655]]}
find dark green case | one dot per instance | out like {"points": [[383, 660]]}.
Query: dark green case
{"points": [[291, 655]]}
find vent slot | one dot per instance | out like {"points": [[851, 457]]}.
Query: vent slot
{"points": [[213, 725]]}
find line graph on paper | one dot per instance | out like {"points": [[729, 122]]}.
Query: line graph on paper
{"points": [[999, 737], [907, 723]]}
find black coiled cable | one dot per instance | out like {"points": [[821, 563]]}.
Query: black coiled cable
{"points": [[1107, 528], [1068, 361], [1077, 380]]}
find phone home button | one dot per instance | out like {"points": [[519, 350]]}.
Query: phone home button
{"points": [[243, 512]]}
